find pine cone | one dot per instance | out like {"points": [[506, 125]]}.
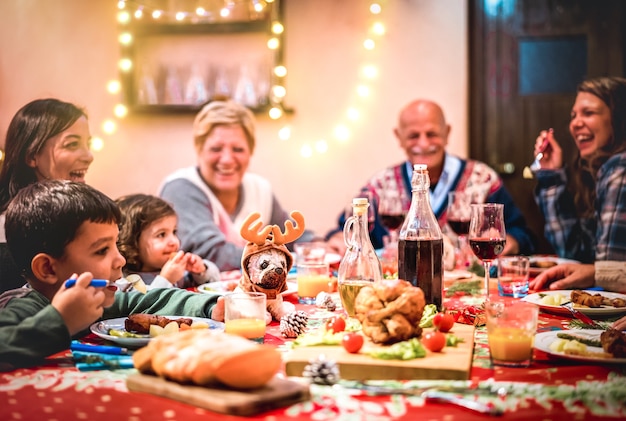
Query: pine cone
{"points": [[330, 305], [293, 324], [325, 300], [322, 371]]}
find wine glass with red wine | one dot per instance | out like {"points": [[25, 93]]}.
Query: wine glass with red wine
{"points": [[458, 216], [391, 212], [487, 235]]}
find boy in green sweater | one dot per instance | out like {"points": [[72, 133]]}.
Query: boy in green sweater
{"points": [[59, 230]]}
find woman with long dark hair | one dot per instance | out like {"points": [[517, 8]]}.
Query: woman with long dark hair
{"points": [[46, 139], [584, 205]]}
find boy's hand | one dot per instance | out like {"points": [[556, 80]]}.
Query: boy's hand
{"points": [[218, 311], [174, 269], [195, 263], [80, 305]]}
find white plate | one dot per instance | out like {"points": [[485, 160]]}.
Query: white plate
{"points": [[102, 328], [601, 311], [534, 271], [544, 339], [221, 288]]}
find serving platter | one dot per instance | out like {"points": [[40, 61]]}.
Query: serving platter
{"points": [[224, 287], [103, 327], [544, 339], [452, 363], [604, 311]]}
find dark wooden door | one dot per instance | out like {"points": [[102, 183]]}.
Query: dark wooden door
{"points": [[526, 59]]}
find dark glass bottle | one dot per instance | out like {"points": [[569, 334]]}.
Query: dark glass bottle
{"points": [[420, 248]]}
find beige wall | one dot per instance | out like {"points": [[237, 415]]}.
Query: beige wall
{"points": [[68, 49]]}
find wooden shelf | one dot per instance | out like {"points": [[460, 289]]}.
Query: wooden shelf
{"points": [[159, 49], [147, 29]]}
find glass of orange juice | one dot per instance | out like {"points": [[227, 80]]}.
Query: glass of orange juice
{"points": [[511, 328], [244, 314], [312, 278]]}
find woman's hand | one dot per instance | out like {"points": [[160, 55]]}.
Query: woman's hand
{"points": [[552, 154], [217, 313], [565, 276], [619, 324]]}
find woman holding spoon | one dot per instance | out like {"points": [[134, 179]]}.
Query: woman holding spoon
{"points": [[584, 205]]}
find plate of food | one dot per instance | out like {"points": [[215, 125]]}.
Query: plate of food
{"points": [[134, 331], [224, 287], [579, 344], [539, 263], [591, 303]]}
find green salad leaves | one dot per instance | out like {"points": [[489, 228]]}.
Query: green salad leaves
{"points": [[406, 350], [428, 315]]}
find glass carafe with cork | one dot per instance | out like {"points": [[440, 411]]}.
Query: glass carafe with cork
{"points": [[360, 265]]}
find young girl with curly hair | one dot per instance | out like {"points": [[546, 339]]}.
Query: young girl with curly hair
{"points": [[149, 242]]}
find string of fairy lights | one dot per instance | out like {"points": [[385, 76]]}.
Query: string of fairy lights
{"points": [[232, 10]]}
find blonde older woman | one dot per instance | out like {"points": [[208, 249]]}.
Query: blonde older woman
{"points": [[213, 198]]}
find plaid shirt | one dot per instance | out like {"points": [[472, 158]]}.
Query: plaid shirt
{"points": [[459, 174], [586, 239]]}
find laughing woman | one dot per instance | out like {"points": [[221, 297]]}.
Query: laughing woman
{"points": [[213, 198], [46, 139], [585, 205]]}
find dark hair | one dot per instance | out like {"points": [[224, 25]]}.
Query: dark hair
{"points": [[45, 216], [138, 211], [612, 91], [28, 131]]}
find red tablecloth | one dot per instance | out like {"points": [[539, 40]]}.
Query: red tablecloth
{"points": [[551, 389]]}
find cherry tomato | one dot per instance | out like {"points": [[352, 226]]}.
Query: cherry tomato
{"points": [[443, 321], [336, 324], [434, 341], [352, 342]]}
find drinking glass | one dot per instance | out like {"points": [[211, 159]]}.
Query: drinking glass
{"points": [[511, 328], [513, 276], [244, 314], [458, 215], [312, 278], [487, 235]]}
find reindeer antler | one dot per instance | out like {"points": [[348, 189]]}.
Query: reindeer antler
{"points": [[250, 230], [291, 232]]}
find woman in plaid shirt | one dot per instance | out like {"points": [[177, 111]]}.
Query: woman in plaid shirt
{"points": [[585, 205]]}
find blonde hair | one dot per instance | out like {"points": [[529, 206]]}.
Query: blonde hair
{"points": [[218, 113]]}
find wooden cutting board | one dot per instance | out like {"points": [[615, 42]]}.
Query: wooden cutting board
{"points": [[453, 363], [277, 393]]}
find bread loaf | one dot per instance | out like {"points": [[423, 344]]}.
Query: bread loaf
{"points": [[205, 356]]}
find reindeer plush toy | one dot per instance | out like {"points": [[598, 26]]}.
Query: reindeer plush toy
{"points": [[266, 261]]}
